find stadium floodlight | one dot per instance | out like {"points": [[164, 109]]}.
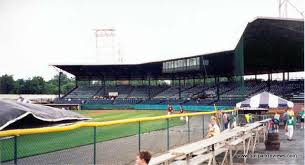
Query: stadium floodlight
{"points": [[283, 6], [107, 46]]}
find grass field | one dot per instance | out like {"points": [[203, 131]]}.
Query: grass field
{"points": [[30, 145]]}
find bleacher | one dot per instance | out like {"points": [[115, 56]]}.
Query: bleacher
{"points": [[199, 102], [172, 101], [83, 92], [143, 91], [230, 93], [171, 92], [227, 102], [69, 101], [249, 88], [100, 101], [126, 101], [286, 88], [151, 101]]}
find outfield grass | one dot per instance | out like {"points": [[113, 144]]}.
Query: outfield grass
{"points": [[30, 145]]}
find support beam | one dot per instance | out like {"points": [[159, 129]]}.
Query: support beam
{"points": [[149, 88], [269, 83], [104, 86], [217, 87], [59, 84], [76, 82], [179, 88], [283, 82]]}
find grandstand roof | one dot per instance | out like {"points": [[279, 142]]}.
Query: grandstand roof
{"points": [[272, 45], [267, 45]]}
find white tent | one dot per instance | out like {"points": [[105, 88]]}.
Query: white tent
{"points": [[264, 100]]}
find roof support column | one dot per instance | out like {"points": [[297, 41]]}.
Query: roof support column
{"points": [[269, 81], [76, 82], [283, 82], [179, 88], [287, 76], [149, 87], [104, 86], [217, 87], [59, 84]]}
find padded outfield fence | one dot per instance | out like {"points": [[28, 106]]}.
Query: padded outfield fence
{"points": [[112, 142]]}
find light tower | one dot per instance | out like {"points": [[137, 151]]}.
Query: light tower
{"points": [[107, 46], [283, 8]]}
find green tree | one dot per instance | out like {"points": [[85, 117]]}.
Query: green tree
{"points": [[38, 85], [66, 84], [6, 84], [51, 88], [19, 86]]}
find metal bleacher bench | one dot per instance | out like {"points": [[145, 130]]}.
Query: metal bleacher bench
{"points": [[199, 152], [163, 159], [189, 149]]}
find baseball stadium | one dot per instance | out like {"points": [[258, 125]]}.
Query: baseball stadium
{"points": [[165, 107]]}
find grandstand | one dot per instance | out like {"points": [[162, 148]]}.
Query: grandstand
{"points": [[267, 46]]}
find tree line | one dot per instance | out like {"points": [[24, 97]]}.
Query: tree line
{"points": [[35, 85]]}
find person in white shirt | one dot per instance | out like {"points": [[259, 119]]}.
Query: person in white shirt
{"points": [[214, 130]]}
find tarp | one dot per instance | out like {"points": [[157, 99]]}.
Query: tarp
{"points": [[12, 111], [264, 100]]}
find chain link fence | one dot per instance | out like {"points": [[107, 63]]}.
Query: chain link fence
{"points": [[114, 144]]}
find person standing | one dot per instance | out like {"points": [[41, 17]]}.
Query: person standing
{"points": [[248, 118], [276, 121], [213, 130], [290, 112], [169, 109], [289, 127], [233, 120], [181, 110], [225, 120]]}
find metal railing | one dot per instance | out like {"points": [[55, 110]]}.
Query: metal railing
{"points": [[112, 142]]}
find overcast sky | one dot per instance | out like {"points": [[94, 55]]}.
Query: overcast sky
{"points": [[37, 33]]}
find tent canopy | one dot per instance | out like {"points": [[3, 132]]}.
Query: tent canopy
{"points": [[264, 100], [12, 112]]}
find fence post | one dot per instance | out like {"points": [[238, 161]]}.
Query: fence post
{"points": [[94, 145], [15, 150], [139, 136], [188, 129], [167, 127], [202, 126]]}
